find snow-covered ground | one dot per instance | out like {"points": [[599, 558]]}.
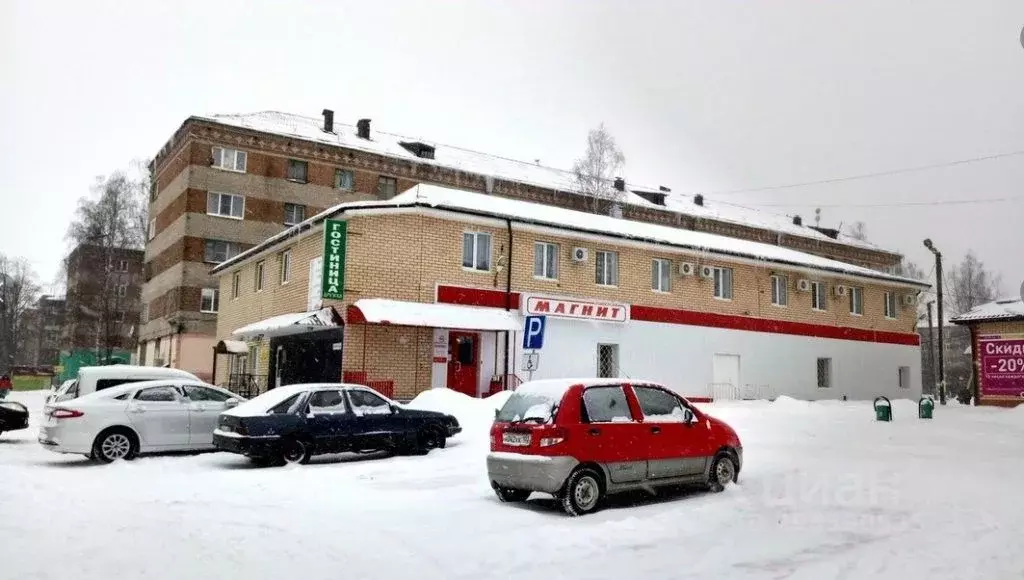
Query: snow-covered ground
{"points": [[826, 492]]}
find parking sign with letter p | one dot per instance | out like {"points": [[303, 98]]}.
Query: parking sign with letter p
{"points": [[533, 334]]}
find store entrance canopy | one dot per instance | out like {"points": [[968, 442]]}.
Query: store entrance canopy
{"points": [[292, 323], [396, 312]]}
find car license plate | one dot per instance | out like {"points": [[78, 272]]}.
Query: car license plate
{"points": [[516, 439]]}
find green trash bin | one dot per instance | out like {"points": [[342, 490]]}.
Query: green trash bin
{"points": [[925, 406], [883, 409]]}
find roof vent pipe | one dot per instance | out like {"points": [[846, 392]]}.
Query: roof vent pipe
{"points": [[698, 199], [798, 221], [363, 129], [620, 184], [328, 121]]}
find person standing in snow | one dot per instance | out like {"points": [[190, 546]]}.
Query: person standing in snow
{"points": [[5, 386]]}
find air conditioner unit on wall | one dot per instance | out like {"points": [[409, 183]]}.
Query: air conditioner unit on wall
{"points": [[840, 291], [803, 285], [580, 255], [687, 268], [707, 272], [910, 300]]}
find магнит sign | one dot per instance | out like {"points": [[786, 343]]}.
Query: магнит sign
{"points": [[335, 236], [582, 309], [1002, 365]]}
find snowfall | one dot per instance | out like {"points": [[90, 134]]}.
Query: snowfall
{"points": [[826, 492]]}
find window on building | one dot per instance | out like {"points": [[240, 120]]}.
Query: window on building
{"points": [[218, 251], [144, 315], [122, 265], [607, 361], [294, 214], [254, 358], [661, 275], [545, 260], [824, 373], [819, 299], [890, 305], [225, 205], [286, 266], [152, 229], [119, 317], [344, 179], [780, 290], [606, 405], [723, 283], [122, 290], [476, 251], [904, 377], [856, 301], [230, 159], [209, 301], [387, 187], [236, 285], [606, 269], [258, 279], [298, 170]]}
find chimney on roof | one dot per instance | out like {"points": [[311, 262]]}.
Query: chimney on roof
{"points": [[665, 189], [328, 121], [798, 221], [363, 129], [698, 199], [620, 184]]}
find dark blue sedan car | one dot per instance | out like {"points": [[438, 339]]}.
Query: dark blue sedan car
{"points": [[291, 424]]}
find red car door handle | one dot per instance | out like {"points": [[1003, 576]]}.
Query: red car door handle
{"points": [[655, 429], [594, 431]]}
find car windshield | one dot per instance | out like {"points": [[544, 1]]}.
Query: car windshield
{"points": [[523, 407]]}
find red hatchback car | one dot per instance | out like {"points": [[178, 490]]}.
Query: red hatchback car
{"points": [[581, 439]]}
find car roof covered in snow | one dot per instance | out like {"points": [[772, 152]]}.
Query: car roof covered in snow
{"points": [[260, 404], [555, 389]]}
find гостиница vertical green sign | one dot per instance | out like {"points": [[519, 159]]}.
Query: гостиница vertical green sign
{"points": [[335, 235]]}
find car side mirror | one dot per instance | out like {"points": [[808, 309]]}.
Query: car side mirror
{"points": [[496, 411], [231, 403], [689, 417], [394, 408]]}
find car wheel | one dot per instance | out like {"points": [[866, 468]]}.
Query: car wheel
{"points": [[723, 472], [430, 438], [115, 444], [509, 495], [295, 451], [582, 493]]}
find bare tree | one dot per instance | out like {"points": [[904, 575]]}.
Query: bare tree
{"points": [[18, 294], [112, 219], [596, 171], [970, 284], [859, 231], [909, 269]]}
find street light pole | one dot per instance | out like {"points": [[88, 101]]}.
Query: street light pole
{"points": [[931, 346], [942, 321]]}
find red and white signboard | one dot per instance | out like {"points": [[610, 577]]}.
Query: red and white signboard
{"points": [[1002, 365], [579, 309]]}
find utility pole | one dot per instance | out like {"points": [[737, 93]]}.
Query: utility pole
{"points": [[942, 323], [931, 347]]}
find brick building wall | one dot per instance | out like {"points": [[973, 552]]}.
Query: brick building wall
{"points": [[405, 256]]}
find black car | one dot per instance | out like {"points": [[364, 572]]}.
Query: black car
{"points": [[290, 424], [13, 416]]}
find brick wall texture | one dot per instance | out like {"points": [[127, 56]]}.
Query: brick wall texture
{"points": [[405, 256]]}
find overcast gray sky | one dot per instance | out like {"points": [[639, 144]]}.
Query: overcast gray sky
{"points": [[708, 96]]}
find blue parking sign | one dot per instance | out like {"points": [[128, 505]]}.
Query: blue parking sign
{"points": [[533, 335]]}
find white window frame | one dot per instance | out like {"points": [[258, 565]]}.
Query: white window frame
{"points": [[780, 290], [213, 296], [237, 202], [236, 285], [381, 180], [819, 296], [259, 278], [475, 251], [295, 163], [228, 246], [890, 306], [152, 229], [293, 222], [661, 275], [286, 267], [122, 265], [238, 159], [856, 300], [605, 262], [724, 280], [548, 270], [338, 181]]}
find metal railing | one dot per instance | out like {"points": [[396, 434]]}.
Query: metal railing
{"points": [[747, 392], [246, 384]]}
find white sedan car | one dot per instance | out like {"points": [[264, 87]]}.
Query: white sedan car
{"points": [[144, 417]]}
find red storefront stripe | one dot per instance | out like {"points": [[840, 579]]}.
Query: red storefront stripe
{"points": [[496, 299]]}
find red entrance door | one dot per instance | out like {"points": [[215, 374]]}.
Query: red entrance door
{"points": [[464, 362]]}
